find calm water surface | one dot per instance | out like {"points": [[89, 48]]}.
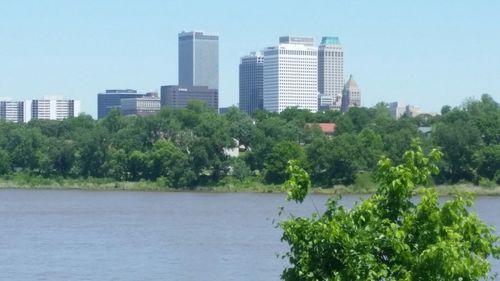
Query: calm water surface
{"points": [[79, 235]]}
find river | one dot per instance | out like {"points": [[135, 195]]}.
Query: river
{"points": [[82, 235]]}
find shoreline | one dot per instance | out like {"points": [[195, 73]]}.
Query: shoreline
{"points": [[143, 186]]}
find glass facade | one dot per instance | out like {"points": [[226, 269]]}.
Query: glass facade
{"points": [[198, 59], [112, 99], [251, 82], [174, 96]]}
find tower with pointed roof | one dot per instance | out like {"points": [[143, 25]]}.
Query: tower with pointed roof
{"points": [[351, 95]]}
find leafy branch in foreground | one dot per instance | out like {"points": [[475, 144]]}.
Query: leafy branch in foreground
{"points": [[388, 236]]}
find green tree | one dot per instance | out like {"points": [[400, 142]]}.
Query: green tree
{"points": [[276, 161], [116, 164], [168, 161], [487, 161], [60, 156], [4, 162], [458, 141], [334, 161], [388, 236], [239, 169]]}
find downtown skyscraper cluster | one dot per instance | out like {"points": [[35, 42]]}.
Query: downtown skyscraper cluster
{"points": [[296, 73], [198, 80]]}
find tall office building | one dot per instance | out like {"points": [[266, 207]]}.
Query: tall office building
{"points": [[330, 72], [251, 82], [12, 111], [51, 108], [112, 99], [291, 75], [179, 96], [198, 59], [351, 95]]}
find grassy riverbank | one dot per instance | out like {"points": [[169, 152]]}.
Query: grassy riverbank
{"points": [[93, 184]]}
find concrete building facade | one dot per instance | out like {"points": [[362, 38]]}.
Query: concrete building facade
{"points": [[397, 109], [12, 111], [112, 99], [141, 106], [199, 59], [179, 96], [351, 95], [330, 72], [290, 75], [51, 108]]}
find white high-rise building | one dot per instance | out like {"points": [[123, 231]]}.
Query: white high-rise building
{"points": [[12, 111], [51, 108], [330, 72], [291, 75]]}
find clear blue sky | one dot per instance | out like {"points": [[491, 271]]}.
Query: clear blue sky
{"points": [[426, 53]]}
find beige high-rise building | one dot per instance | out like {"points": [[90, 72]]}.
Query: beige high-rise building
{"points": [[330, 72]]}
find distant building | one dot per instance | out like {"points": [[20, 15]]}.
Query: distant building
{"points": [[412, 110], [179, 96], [326, 128], [351, 95], [112, 99], [327, 102], [51, 108], [225, 109], [198, 59], [12, 111], [291, 75], [397, 109], [141, 106], [251, 82], [330, 72]]}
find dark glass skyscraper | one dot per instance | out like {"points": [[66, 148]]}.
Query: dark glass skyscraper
{"points": [[198, 59], [251, 82]]}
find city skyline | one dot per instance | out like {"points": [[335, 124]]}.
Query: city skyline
{"points": [[80, 48]]}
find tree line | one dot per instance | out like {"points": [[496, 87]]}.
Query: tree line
{"points": [[187, 147]]}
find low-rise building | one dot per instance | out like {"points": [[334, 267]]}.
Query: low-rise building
{"points": [[111, 99], [141, 106], [179, 96]]}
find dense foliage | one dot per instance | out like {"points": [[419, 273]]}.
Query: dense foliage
{"points": [[187, 147], [388, 236]]}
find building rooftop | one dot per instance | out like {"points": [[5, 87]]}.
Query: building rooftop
{"points": [[121, 91], [327, 128], [197, 32], [306, 41], [330, 40], [350, 84]]}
